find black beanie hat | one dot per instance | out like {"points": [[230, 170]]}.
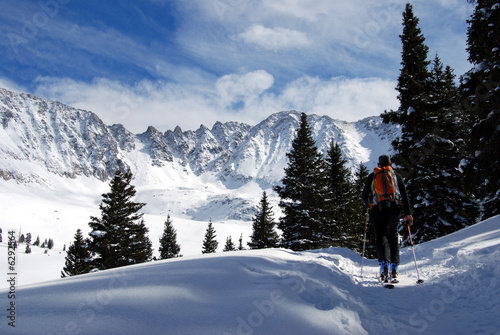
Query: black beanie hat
{"points": [[384, 160]]}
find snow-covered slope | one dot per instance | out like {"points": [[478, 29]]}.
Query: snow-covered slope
{"points": [[276, 291]]}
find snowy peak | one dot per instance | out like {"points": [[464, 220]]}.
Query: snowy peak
{"points": [[40, 135]]}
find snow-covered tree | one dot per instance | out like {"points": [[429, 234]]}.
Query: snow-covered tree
{"points": [[481, 99], [263, 233], [302, 193], [78, 259], [168, 241], [229, 246], [119, 237], [210, 243], [430, 150]]}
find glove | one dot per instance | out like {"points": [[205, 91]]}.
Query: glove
{"points": [[408, 220]]}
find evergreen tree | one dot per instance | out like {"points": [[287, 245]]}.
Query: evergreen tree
{"points": [[413, 85], [264, 235], [21, 238], [37, 242], [430, 149], [119, 237], [210, 244], [229, 246], [168, 241], [240, 245], [50, 244], [340, 227], [302, 193], [28, 249], [440, 203], [481, 99], [28, 238], [78, 258]]}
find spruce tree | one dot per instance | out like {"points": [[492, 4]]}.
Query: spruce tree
{"points": [[119, 237], [430, 149], [339, 214], [441, 205], [210, 243], [168, 241], [78, 258], [37, 241], [263, 235], [240, 244], [481, 99], [229, 246], [302, 194], [413, 78]]}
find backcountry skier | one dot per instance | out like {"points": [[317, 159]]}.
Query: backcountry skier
{"points": [[385, 194]]}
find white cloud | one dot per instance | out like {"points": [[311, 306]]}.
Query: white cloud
{"points": [[235, 87], [167, 105], [275, 39]]}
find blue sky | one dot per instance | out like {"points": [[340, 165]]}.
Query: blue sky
{"points": [[178, 62]]}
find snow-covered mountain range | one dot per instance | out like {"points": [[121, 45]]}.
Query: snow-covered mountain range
{"points": [[56, 161], [38, 135]]}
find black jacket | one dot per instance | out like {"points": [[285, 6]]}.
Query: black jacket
{"points": [[367, 193]]}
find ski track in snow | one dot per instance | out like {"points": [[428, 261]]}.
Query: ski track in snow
{"points": [[274, 291]]}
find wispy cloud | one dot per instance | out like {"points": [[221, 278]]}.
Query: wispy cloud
{"points": [[243, 97], [274, 38]]}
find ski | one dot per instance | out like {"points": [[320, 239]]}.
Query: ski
{"points": [[386, 283]]}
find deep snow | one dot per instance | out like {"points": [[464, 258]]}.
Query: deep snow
{"points": [[273, 291]]}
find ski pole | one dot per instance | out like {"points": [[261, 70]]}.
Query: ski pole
{"points": [[364, 240], [419, 281]]}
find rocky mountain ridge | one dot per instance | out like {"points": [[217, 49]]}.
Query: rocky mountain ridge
{"points": [[38, 135]]}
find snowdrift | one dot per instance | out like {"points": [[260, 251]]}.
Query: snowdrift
{"points": [[276, 291]]}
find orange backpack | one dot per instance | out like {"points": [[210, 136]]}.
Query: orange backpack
{"points": [[385, 189]]}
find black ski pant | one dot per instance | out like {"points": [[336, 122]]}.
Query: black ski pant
{"points": [[386, 224]]}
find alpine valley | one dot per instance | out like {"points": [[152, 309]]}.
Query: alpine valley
{"points": [[56, 161]]}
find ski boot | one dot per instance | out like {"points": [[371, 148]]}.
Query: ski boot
{"points": [[394, 273], [384, 271]]}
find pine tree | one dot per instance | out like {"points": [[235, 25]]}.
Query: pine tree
{"points": [[339, 214], [440, 204], [240, 245], [481, 99], [37, 242], [78, 258], [302, 193], [413, 88], [210, 244], [168, 241], [119, 237], [229, 246], [430, 149], [263, 235], [50, 244], [28, 249]]}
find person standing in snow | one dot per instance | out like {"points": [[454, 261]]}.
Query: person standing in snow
{"points": [[385, 194]]}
